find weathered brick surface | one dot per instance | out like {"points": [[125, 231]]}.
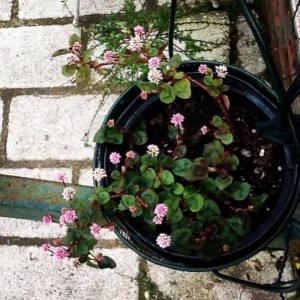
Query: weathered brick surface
{"points": [[54, 127], [5, 10], [38, 173], [1, 115], [35, 9], [36, 275], [26, 52]]}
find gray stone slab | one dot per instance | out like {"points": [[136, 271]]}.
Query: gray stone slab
{"points": [[55, 127], [5, 10], [26, 56], [249, 55], [35, 9], [29, 273], [212, 28], [38, 173], [1, 115], [180, 285]]}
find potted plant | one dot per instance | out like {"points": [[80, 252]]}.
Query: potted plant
{"points": [[179, 167]]}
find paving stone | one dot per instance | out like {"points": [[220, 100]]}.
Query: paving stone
{"points": [[213, 30], [249, 56], [55, 127], [38, 173], [22, 69], [35, 9], [86, 177], [36, 275], [1, 115], [180, 285], [5, 10]]}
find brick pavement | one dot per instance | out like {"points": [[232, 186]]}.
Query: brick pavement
{"points": [[47, 126]]}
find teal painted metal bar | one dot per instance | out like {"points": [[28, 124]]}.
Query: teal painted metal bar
{"points": [[31, 198]]}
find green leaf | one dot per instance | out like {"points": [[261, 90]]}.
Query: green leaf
{"points": [[128, 200], [129, 59], [83, 73], [209, 212], [213, 152], [69, 70], [179, 75], [146, 86], [180, 151], [103, 197], [239, 190], [181, 240], [232, 162], [74, 38], [87, 55], [139, 137], [224, 88], [61, 52], [166, 177], [167, 95], [149, 197], [175, 61], [208, 80], [217, 82], [109, 135], [106, 262], [182, 88], [258, 201], [178, 188], [217, 121], [174, 215], [240, 224], [115, 174], [181, 165], [195, 202], [222, 183], [213, 91], [226, 138], [137, 213], [208, 186], [152, 52], [173, 132], [190, 191]]}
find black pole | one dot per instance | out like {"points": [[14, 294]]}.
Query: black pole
{"points": [[172, 27]]}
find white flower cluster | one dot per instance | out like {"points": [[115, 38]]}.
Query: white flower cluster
{"points": [[153, 150], [68, 193], [99, 174]]}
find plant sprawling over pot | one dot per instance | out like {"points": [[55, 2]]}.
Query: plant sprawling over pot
{"points": [[187, 201]]}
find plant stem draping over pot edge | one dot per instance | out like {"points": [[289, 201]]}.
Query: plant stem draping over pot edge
{"points": [[185, 196]]}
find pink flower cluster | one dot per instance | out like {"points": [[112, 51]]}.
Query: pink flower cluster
{"points": [[47, 219], [95, 229], [108, 56], [76, 47], [177, 119], [163, 240], [115, 158], [160, 210], [61, 253], [138, 30], [68, 216]]}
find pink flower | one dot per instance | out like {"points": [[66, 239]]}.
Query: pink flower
{"points": [[47, 219], [108, 56], [110, 123], [177, 119], [163, 240], [221, 71], [138, 30], [204, 130], [153, 150], [130, 154], [202, 69], [144, 95], [95, 229], [115, 158], [99, 256], [161, 210], [99, 174], [154, 62], [70, 216], [61, 176], [56, 242], [45, 247], [155, 76], [132, 208], [76, 47], [60, 253], [157, 220], [68, 193], [72, 59]]}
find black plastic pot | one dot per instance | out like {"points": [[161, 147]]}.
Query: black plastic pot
{"points": [[249, 89]]}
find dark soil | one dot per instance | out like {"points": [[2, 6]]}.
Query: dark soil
{"points": [[263, 172]]}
